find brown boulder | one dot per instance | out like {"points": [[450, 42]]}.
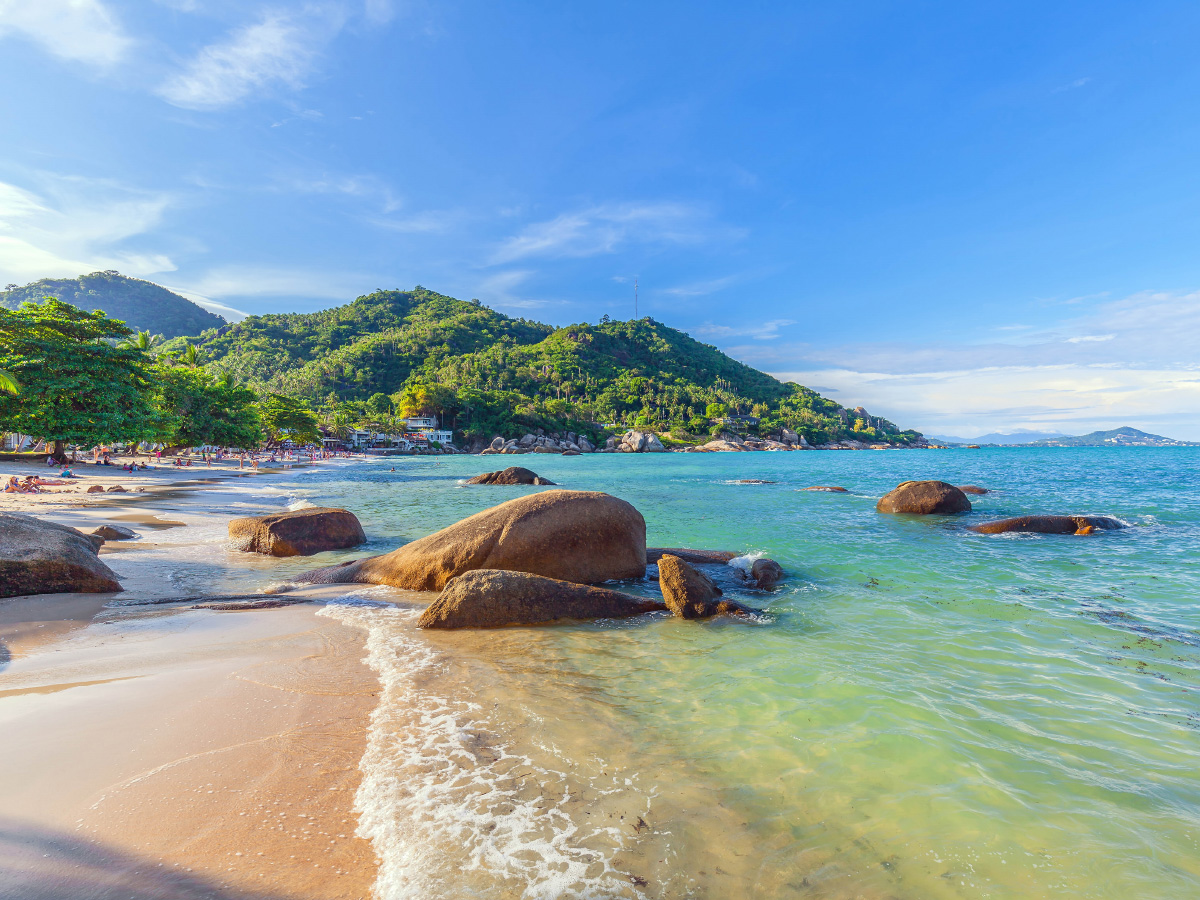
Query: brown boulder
{"points": [[766, 573], [115, 533], [511, 475], [833, 489], [584, 537], [703, 557], [924, 498], [690, 594], [300, 532], [1049, 525], [39, 557], [490, 598], [973, 489], [96, 489], [117, 489]]}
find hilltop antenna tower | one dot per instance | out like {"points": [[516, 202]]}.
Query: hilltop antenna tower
{"points": [[635, 293]]}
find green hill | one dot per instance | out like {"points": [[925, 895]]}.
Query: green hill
{"points": [[394, 352], [142, 305]]}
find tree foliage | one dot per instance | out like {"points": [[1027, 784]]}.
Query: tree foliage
{"points": [[206, 410], [75, 385], [284, 418]]}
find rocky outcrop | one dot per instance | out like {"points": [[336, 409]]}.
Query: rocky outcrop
{"points": [[690, 594], [766, 573], [700, 557], [1049, 525], [511, 475], [973, 489], [924, 498], [639, 442], [39, 557], [720, 446], [300, 532], [829, 488], [491, 598], [115, 533], [584, 537], [754, 481]]}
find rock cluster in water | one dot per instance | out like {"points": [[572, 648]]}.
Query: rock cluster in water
{"points": [[511, 475], [924, 498]]}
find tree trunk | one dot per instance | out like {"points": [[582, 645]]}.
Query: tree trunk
{"points": [[60, 453]]}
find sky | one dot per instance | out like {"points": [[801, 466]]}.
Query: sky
{"points": [[967, 217]]}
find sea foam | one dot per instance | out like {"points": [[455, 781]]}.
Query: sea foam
{"points": [[453, 808]]}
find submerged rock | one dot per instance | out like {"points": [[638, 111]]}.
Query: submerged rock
{"points": [[300, 532], [830, 488], [702, 557], [1049, 525], [973, 489], [584, 537], [924, 498], [511, 475], [490, 598], [39, 557], [754, 481], [690, 594]]}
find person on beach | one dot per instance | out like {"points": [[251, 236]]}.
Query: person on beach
{"points": [[13, 486], [67, 473]]}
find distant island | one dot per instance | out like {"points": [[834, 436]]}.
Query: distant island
{"points": [[142, 305], [1117, 437]]}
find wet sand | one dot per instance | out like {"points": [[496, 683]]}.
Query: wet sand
{"points": [[165, 752]]}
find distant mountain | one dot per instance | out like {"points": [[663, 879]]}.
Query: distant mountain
{"points": [[1020, 436], [1118, 437], [142, 305]]}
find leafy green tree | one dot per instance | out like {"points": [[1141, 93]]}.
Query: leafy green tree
{"points": [[145, 341], [203, 410], [379, 405], [76, 387], [284, 419], [716, 410]]}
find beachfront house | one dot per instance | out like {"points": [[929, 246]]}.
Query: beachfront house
{"points": [[424, 430]]}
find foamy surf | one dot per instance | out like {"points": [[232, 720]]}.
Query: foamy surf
{"points": [[451, 805]]}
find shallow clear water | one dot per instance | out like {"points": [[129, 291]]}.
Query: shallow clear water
{"points": [[923, 712]]}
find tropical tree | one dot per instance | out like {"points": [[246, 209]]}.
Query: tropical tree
{"points": [[202, 410], [144, 341], [284, 418], [75, 385]]}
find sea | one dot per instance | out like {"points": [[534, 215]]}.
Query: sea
{"points": [[918, 711]]}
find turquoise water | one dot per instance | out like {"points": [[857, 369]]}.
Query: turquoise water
{"points": [[921, 712]]}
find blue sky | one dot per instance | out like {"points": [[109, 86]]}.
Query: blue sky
{"points": [[966, 217]]}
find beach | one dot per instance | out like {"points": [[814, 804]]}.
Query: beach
{"points": [[919, 712]]}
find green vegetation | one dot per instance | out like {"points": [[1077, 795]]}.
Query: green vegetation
{"points": [[140, 304], [401, 353]]}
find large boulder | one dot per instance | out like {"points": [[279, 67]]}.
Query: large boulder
{"points": [[39, 557], [581, 536], [511, 475], [766, 573], [829, 488], [1049, 525], [490, 598], [924, 498], [973, 489], [300, 532], [721, 446], [690, 594]]}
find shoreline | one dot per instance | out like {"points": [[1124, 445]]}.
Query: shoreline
{"points": [[159, 751]]}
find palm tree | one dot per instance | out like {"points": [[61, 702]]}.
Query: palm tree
{"points": [[9, 383], [145, 341], [192, 357], [228, 380]]}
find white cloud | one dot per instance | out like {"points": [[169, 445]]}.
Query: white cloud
{"points": [[499, 290], [279, 49], [603, 229], [1091, 339], [761, 331], [700, 288], [268, 281], [72, 226], [78, 30], [229, 313]]}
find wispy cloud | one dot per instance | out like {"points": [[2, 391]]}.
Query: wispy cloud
{"points": [[604, 229], [271, 281], [68, 226], [280, 49], [78, 30], [760, 331], [1074, 85], [1090, 338], [500, 290], [700, 288]]}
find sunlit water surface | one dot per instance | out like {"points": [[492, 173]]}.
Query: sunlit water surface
{"points": [[922, 712]]}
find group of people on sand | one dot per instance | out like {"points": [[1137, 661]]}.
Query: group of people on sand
{"points": [[33, 484]]}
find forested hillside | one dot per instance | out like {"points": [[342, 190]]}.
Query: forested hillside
{"points": [[394, 353], [142, 305]]}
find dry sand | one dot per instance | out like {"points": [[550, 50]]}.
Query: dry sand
{"points": [[177, 753]]}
